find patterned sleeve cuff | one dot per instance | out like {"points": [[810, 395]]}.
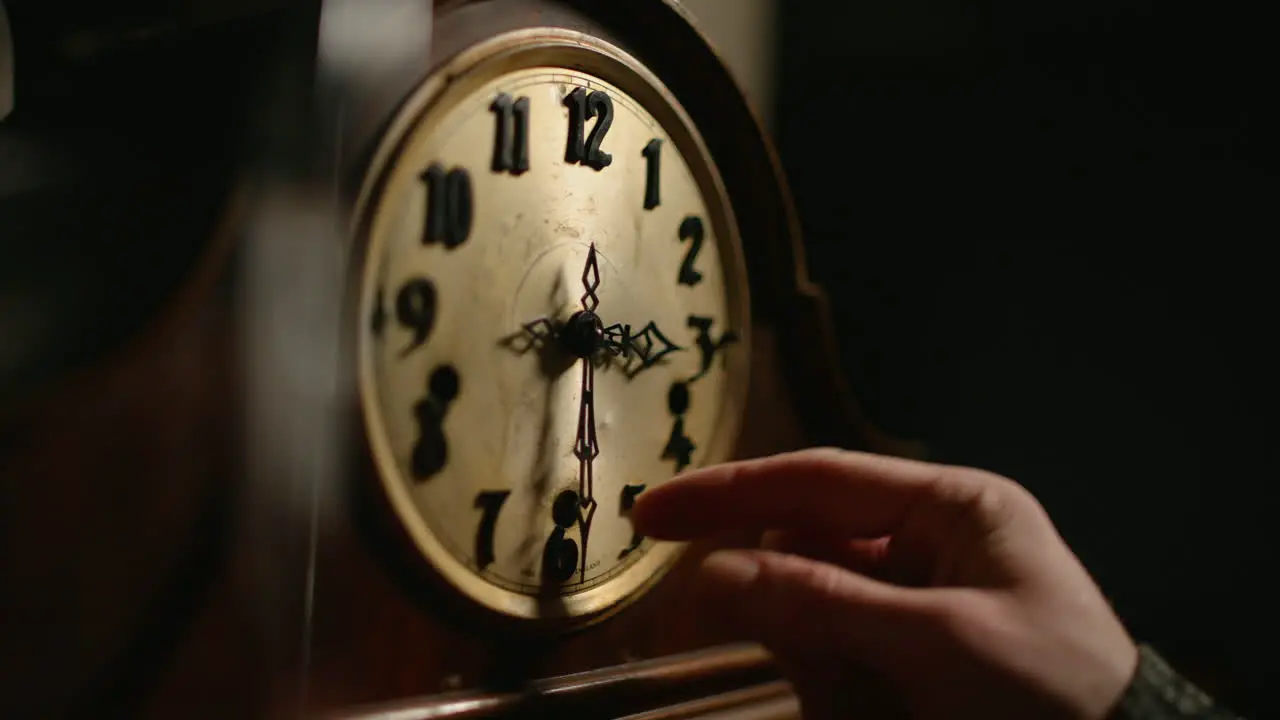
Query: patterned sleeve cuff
{"points": [[1157, 692]]}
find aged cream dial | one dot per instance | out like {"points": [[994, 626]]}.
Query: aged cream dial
{"points": [[553, 320]]}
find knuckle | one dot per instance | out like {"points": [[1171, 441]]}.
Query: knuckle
{"points": [[826, 581], [1010, 502], [984, 495], [990, 502]]}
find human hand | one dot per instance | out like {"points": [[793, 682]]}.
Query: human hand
{"points": [[948, 585]]}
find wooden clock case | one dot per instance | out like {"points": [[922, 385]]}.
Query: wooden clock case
{"points": [[147, 573]]}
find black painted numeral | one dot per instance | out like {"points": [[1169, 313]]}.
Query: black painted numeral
{"points": [[629, 494], [431, 451], [679, 447], [511, 142], [491, 504], [582, 149], [449, 206], [691, 229], [653, 174], [416, 311], [560, 555], [706, 345]]}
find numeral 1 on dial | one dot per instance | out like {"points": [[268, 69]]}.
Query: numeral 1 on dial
{"points": [[653, 174]]}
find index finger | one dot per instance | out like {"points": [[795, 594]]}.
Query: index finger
{"points": [[837, 491]]}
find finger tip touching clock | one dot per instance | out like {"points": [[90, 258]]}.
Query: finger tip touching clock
{"points": [[701, 503], [684, 508], [662, 513], [831, 489]]}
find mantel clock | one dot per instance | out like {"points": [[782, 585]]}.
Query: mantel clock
{"points": [[555, 319], [567, 269]]}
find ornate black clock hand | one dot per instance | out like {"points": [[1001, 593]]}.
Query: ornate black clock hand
{"points": [[649, 345], [583, 336], [586, 449]]}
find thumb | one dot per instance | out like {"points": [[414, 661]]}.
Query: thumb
{"points": [[797, 606]]}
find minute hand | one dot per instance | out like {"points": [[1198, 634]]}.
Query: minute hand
{"points": [[586, 449]]}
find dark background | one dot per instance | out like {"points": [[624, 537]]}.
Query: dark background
{"points": [[1046, 229]]}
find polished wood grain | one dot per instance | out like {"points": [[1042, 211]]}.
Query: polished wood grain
{"points": [[768, 701], [648, 684]]}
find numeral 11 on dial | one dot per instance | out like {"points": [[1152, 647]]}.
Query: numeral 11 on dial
{"points": [[511, 142]]}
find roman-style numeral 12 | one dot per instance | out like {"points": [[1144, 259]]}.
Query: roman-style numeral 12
{"points": [[583, 150]]}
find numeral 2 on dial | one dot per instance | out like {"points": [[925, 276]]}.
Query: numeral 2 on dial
{"points": [[691, 229]]}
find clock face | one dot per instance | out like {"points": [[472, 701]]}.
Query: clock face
{"points": [[552, 322]]}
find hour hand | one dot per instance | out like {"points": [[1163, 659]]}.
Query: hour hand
{"points": [[649, 346]]}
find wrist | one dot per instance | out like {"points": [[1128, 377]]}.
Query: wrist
{"points": [[1156, 690]]}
